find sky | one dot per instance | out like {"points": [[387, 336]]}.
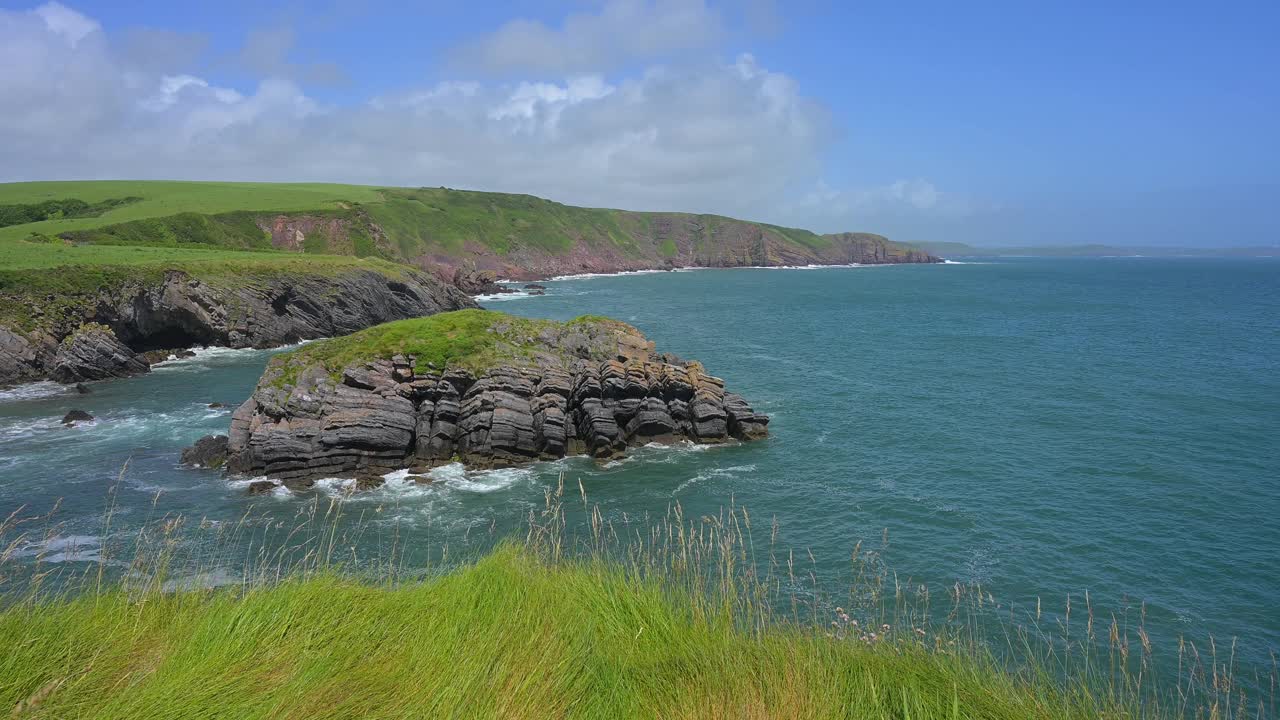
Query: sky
{"points": [[991, 123]]}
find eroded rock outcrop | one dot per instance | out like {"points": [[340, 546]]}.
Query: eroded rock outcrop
{"points": [[209, 451], [178, 310], [94, 353], [525, 390], [478, 282]]}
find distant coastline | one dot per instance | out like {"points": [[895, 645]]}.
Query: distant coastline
{"points": [[956, 249]]}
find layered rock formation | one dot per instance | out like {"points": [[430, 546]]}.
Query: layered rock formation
{"points": [[511, 391], [177, 310], [94, 353]]}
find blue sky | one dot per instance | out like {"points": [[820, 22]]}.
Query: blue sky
{"points": [[990, 123]]}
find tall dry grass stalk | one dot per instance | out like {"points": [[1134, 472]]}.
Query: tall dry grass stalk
{"points": [[718, 568]]}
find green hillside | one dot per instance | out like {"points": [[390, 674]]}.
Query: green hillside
{"points": [[84, 223]]}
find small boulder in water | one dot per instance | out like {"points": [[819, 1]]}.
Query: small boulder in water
{"points": [[535, 286], [158, 356], [76, 416], [209, 451], [261, 487], [216, 405], [83, 389]]}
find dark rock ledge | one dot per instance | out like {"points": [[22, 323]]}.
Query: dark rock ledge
{"points": [[486, 389], [121, 329]]}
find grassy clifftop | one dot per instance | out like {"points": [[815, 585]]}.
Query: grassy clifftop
{"points": [[428, 227], [472, 339]]}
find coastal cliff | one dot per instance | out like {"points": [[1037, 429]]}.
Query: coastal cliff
{"points": [[89, 284], [452, 233], [107, 331], [477, 387], [463, 234]]}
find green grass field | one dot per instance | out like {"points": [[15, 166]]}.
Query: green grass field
{"points": [[508, 637], [161, 198], [412, 222]]}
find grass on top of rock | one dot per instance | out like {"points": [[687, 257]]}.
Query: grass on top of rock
{"points": [[474, 340], [31, 298]]}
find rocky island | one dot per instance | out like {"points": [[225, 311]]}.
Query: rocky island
{"points": [[477, 387]]}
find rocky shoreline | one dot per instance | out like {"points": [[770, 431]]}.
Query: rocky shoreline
{"points": [[512, 391], [121, 328], [124, 330], [480, 275]]}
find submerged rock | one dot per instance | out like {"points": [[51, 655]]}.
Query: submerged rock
{"points": [[83, 389], [487, 389], [478, 282], [158, 356], [209, 451], [76, 416], [261, 487]]}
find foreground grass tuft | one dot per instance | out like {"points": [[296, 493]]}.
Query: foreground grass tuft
{"points": [[511, 636]]}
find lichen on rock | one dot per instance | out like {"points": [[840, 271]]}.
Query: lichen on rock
{"points": [[479, 387]]}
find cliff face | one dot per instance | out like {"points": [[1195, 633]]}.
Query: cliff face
{"points": [[524, 238], [178, 311], [514, 236], [513, 391]]}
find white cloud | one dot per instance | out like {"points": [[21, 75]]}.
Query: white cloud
{"points": [[65, 22], [265, 53], [621, 31], [861, 207], [723, 137], [727, 137]]}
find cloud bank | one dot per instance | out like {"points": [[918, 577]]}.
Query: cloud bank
{"points": [[726, 136]]}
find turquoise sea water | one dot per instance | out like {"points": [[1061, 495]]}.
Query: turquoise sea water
{"points": [[1040, 426]]}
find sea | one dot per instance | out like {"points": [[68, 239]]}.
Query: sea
{"points": [[1043, 428]]}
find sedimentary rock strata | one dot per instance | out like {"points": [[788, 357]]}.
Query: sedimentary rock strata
{"points": [[94, 353], [590, 388], [182, 311]]}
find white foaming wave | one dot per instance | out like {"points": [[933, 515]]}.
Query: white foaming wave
{"points": [[403, 484], [116, 423], [243, 483], [656, 452], [34, 391], [588, 276], [212, 352], [457, 477], [713, 474], [63, 548], [963, 262], [623, 273], [496, 297], [21, 430]]}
